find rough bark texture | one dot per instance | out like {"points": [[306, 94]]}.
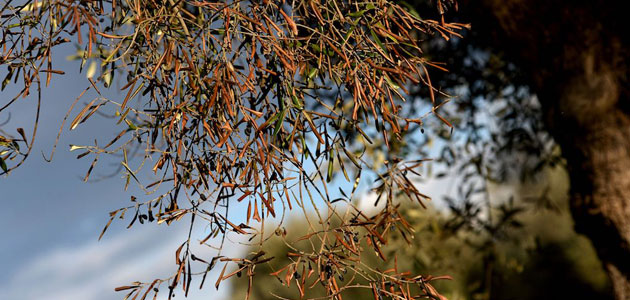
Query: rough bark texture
{"points": [[576, 55]]}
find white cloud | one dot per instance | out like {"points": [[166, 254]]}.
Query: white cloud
{"points": [[436, 188], [91, 271]]}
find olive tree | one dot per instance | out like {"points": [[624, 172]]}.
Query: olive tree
{"points": [[256, 103]]}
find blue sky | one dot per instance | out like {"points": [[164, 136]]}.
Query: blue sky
{"points": [[50, 219]]}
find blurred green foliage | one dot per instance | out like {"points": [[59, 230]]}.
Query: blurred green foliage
{"points": [[531, 251]]}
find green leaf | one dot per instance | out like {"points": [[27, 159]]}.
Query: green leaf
{"points": [[274, 118], [279, 122], [330, 170], [305, 151], [378, 41], [412, 10], [297, 102], [312, 73], [130, 172], [131, 125], [352, 158], [392, 84], [315, 48], [357, 14], [3, 165], [7, 79]]}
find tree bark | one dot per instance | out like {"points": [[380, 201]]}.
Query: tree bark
{"points": [[575, 54], [597, 150]]}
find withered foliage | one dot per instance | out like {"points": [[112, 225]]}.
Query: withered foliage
{"points": [[257, 102]]}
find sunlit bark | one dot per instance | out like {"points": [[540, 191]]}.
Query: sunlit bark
{"points": [[574, 53]]}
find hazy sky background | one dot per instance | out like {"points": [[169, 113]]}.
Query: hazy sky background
{"points": [[50, 219]]}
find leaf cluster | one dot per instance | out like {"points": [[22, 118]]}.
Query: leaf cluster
{"points": [[239, 102]]}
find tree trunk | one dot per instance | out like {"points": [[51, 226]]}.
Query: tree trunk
{"points": [[575, 53], [596, 145]]}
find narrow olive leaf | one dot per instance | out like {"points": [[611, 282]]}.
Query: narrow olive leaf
{"points": [[115, 139], [76, 147], [297, 102], [125, 287], [352, 158], [445, 121], [54, 71], [330, 169], [79, 116], [21, 132], [234, 272], [135, 217], [3, 165], [92, 111], [149, 289], [249, 211], [431, 93], [89, 171], [375, 292], [91, 70], [203, 278], [289, 21], [313, 127], [378, 41], [112, 216], [131, 95], [123, 115], [279, 122], [216, 285], [264, 260], [236, 228], [130, 172], [188, 280], [343, 167]]}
